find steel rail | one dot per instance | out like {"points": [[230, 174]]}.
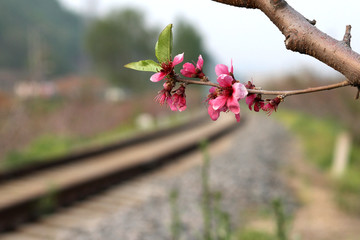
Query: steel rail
{"points": [[41, 164], [26, 210]]}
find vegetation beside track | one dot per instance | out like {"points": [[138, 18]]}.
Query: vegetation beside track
{"points": [[318, 136]]}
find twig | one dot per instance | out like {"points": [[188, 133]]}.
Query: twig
{"points": [[188, 81], [312, 22], [267, 92], [347, 35], [301, 91]]}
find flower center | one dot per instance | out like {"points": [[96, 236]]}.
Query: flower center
{"points": [[227, 91], [167, 67]]}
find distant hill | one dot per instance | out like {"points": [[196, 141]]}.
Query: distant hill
{"points": [[39, 36]]}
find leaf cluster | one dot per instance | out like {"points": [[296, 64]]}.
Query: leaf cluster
{"points": [[163, 49]]}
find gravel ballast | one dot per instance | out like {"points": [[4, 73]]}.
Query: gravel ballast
{"points": [[249, 174]]}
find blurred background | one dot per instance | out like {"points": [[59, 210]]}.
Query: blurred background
{"points": [[63, 86]]}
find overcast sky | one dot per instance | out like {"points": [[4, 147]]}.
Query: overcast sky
{"points": [[246, 36]]}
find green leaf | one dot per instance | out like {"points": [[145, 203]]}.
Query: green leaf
{"points": [[163, 46], [144, 65]]}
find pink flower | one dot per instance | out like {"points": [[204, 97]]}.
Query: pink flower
{"points": [[226, 98], [214, 114], [179, 99], [167, 68], [272, 105], [189, 70], [250, 85], [164, 96], [253, 99], [223, 69], [250, 100]]}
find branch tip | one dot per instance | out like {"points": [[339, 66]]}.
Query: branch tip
{"points": [[347, 35], [238, 3], [312, 22]]}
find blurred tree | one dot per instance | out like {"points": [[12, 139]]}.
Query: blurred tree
{"points": [[117, 39], [58, 34], [187, 39], [122, 37]]}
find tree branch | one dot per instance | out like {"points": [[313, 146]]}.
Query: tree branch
{"points": [[303, 37], [301, 91], [267, 92]]}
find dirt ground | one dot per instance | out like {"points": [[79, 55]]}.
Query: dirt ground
{"points": [[319, 217]]}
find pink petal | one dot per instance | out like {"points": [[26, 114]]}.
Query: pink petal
{"points": [[223, 109], [250, 99], [233, 105], [218, 102], [214, 114], [160, 98], [171, 104], [221, 69], [239, 91], [182, 104], [250, 84], [182, 108], [157, 76], [224, 80], [258, 106], [200, 62], [269, 108], [175, 99], [188, 70], [231, 67], [189, 67], [237, 116], [178, 59], [212, 90]]}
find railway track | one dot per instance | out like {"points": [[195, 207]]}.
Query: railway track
{"points": [[27, 194]]}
